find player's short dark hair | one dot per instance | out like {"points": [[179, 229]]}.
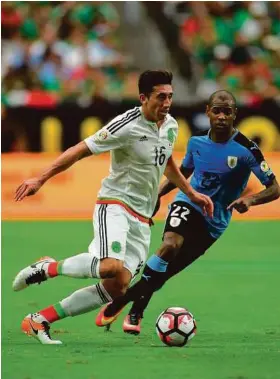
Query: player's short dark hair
{"points": [[150, 78], [222, 95]]}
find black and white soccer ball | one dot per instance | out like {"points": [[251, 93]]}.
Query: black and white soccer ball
{"points": [[176, 326]]}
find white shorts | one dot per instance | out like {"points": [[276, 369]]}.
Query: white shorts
{"points": [[120, 235]]}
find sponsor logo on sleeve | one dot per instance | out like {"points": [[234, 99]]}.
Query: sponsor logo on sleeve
{"points": [[264, 166], [101, 136]]}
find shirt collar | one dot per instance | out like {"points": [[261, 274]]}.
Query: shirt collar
{"points": [[231, 138]]}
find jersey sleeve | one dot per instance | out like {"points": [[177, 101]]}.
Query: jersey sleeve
{"points": [[259, 166], [188, 159], [112, 136]]}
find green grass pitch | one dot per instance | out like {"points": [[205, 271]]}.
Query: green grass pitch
{"points": [[233, 292]]}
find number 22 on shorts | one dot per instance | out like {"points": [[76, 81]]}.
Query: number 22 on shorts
{"points": [[181, 212]]}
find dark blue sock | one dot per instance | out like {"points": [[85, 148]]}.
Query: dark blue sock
{"points": [[154, 268]]}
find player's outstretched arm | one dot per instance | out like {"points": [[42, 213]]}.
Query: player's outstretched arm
{"points": [[173, 174], [168, 186], [271, 193], [63, 162]]}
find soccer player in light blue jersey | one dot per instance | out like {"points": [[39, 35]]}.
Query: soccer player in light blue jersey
{"points": [[220, 163]]}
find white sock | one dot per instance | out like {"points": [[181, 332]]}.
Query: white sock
{"points": [[85, 300], [81, 266]]}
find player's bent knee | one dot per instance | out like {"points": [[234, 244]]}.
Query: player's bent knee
{"points": [[114, 287], [171, 245], [118, 285], [110, 267], [169, 249]]}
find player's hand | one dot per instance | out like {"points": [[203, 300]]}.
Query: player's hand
{"points": [[242, 205], [28, 188], [204, 202]]}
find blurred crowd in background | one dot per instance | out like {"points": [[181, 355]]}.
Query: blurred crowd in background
{"points": [[236, 46], [65, 51]]}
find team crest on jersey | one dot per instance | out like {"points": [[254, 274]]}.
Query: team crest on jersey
{"points": [[264, 166], [231, 161], [175, 221], [171, 135]]}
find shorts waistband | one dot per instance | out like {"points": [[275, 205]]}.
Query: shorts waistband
{"points": [[126, 207]]}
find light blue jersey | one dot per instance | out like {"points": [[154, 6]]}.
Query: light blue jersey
{"points": [[221, 171]]}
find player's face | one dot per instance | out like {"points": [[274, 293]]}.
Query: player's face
{"points": [[222, 114], [157, 105]]}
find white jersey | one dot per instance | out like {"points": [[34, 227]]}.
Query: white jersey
{"points": [[139, 154]]}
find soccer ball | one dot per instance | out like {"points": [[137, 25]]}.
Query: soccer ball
{"points": [[175, 326]]}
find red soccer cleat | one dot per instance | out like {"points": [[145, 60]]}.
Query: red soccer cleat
{"points": [[132, 324], [102, 320]]}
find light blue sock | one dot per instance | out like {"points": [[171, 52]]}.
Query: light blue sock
{"points": [[157, 264]]}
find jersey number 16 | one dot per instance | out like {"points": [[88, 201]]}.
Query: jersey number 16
{"points": [[160, 156]]}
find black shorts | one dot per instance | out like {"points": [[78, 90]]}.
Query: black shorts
{"points": [[186, 221]]}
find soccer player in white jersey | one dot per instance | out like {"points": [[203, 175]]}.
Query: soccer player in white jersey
{"points": [[141, 142]]}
